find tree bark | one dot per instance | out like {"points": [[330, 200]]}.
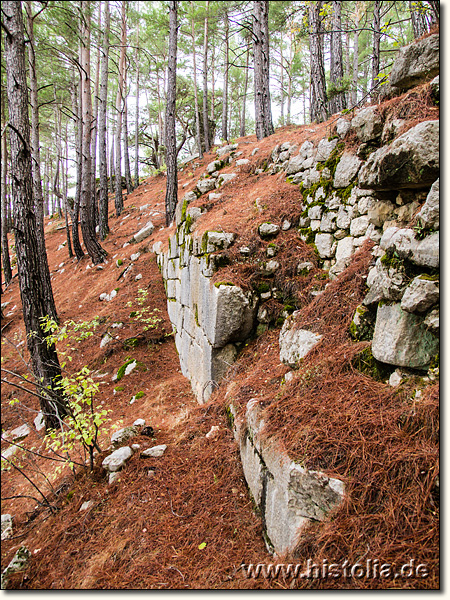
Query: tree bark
{"points": [[418, 21], [102, 148], [337, 101], [318, 102], [32, 289], [93, 247], [95, 215], [66, 193], [76, 109], [376, 48], [136, 130], [36, 165], [263, 111], [197, 113], [244, 95], [6, 262], [205, 80], [171, 198], [225, 79], [119, 109]]}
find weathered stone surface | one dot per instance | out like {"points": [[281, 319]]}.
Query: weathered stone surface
{"points": [[380, 212], [267, 230], [426, 252], [295, 343], [343, 127], [295, 165], [345, 248], [226, 315], [19, 433], [224, 178], [391, 130], [121, 436], [218, 240], [311, 177], [213, 166], [368, 124], [420, 295], [346, 170], [344, 217], [206, 185], [431, 321], [288, 495], [6, 526], [304, 268], [306, 149], [315, 212], [435, 87], [242, 161], [117, 460], [401, 338], [226, 149], [18, 563], [359, 226], [154, 452], [429, 214], [39, 422], [190, 197], [411, 161], [144, 233], [325, 148], [325, 245], [385, 283], [270, 268], [416, 63], [106, 339], [328, 222]]}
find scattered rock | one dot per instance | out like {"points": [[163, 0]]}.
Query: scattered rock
{"points": [[206, 185], [269, 268], [368, 124], [134, 257], [139, 423], [343, 127], [39, 422], [19, 433], [325, 148], [117, 460], [217, 240], [226, 149], [325, 245], [86, 505], [144, 233], [121, 436], [6, 526], [431, 321], [396, 378], [114, 477], [267, 230], [154, 452], [106, 339], [295, 343], [304, 268], [18, 563], [213, 432], [224, 178], [242, 161]]}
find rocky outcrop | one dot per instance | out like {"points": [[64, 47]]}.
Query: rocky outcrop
{"points": [[416, 63]]}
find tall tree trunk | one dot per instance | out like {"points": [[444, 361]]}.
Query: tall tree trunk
{"points": [[225, 80], [32, 287], [136, 130], [171, 198], [112, 159], [66, 194], [355, 56], [263, 111], [6, 262], [36, 165], [93, 247], [102, 146], [418, 21], [244, 95], [95, 216], [197, 113], [337, 102], [119, 110], [76, 109], [205, 80], [318, 103], [126, 154], [376, 48]]}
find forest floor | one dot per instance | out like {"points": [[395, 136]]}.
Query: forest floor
{"points": [[184, 520]]}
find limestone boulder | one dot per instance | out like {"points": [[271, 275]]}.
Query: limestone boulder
{"points": [[154, 452], [411, 161], [346, 170], [429, 214], [380, 212], [401, 338], [359, 226], [118, 459], [226, 149], [343, 127], [385, 283], [325, 245], [206, 185], [368, 124], [416, 63], [295, 165], [426, 252], [295, 343], [420, 295], [325, 148], [219, 240], [121, 436], [224, 178], [268, 230], [214, 166], [144, 233]]}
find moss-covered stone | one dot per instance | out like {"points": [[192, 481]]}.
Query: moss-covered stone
{"points": [[365, 363]]}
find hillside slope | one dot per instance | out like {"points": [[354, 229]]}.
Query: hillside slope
{"points": [[186, 519]]}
